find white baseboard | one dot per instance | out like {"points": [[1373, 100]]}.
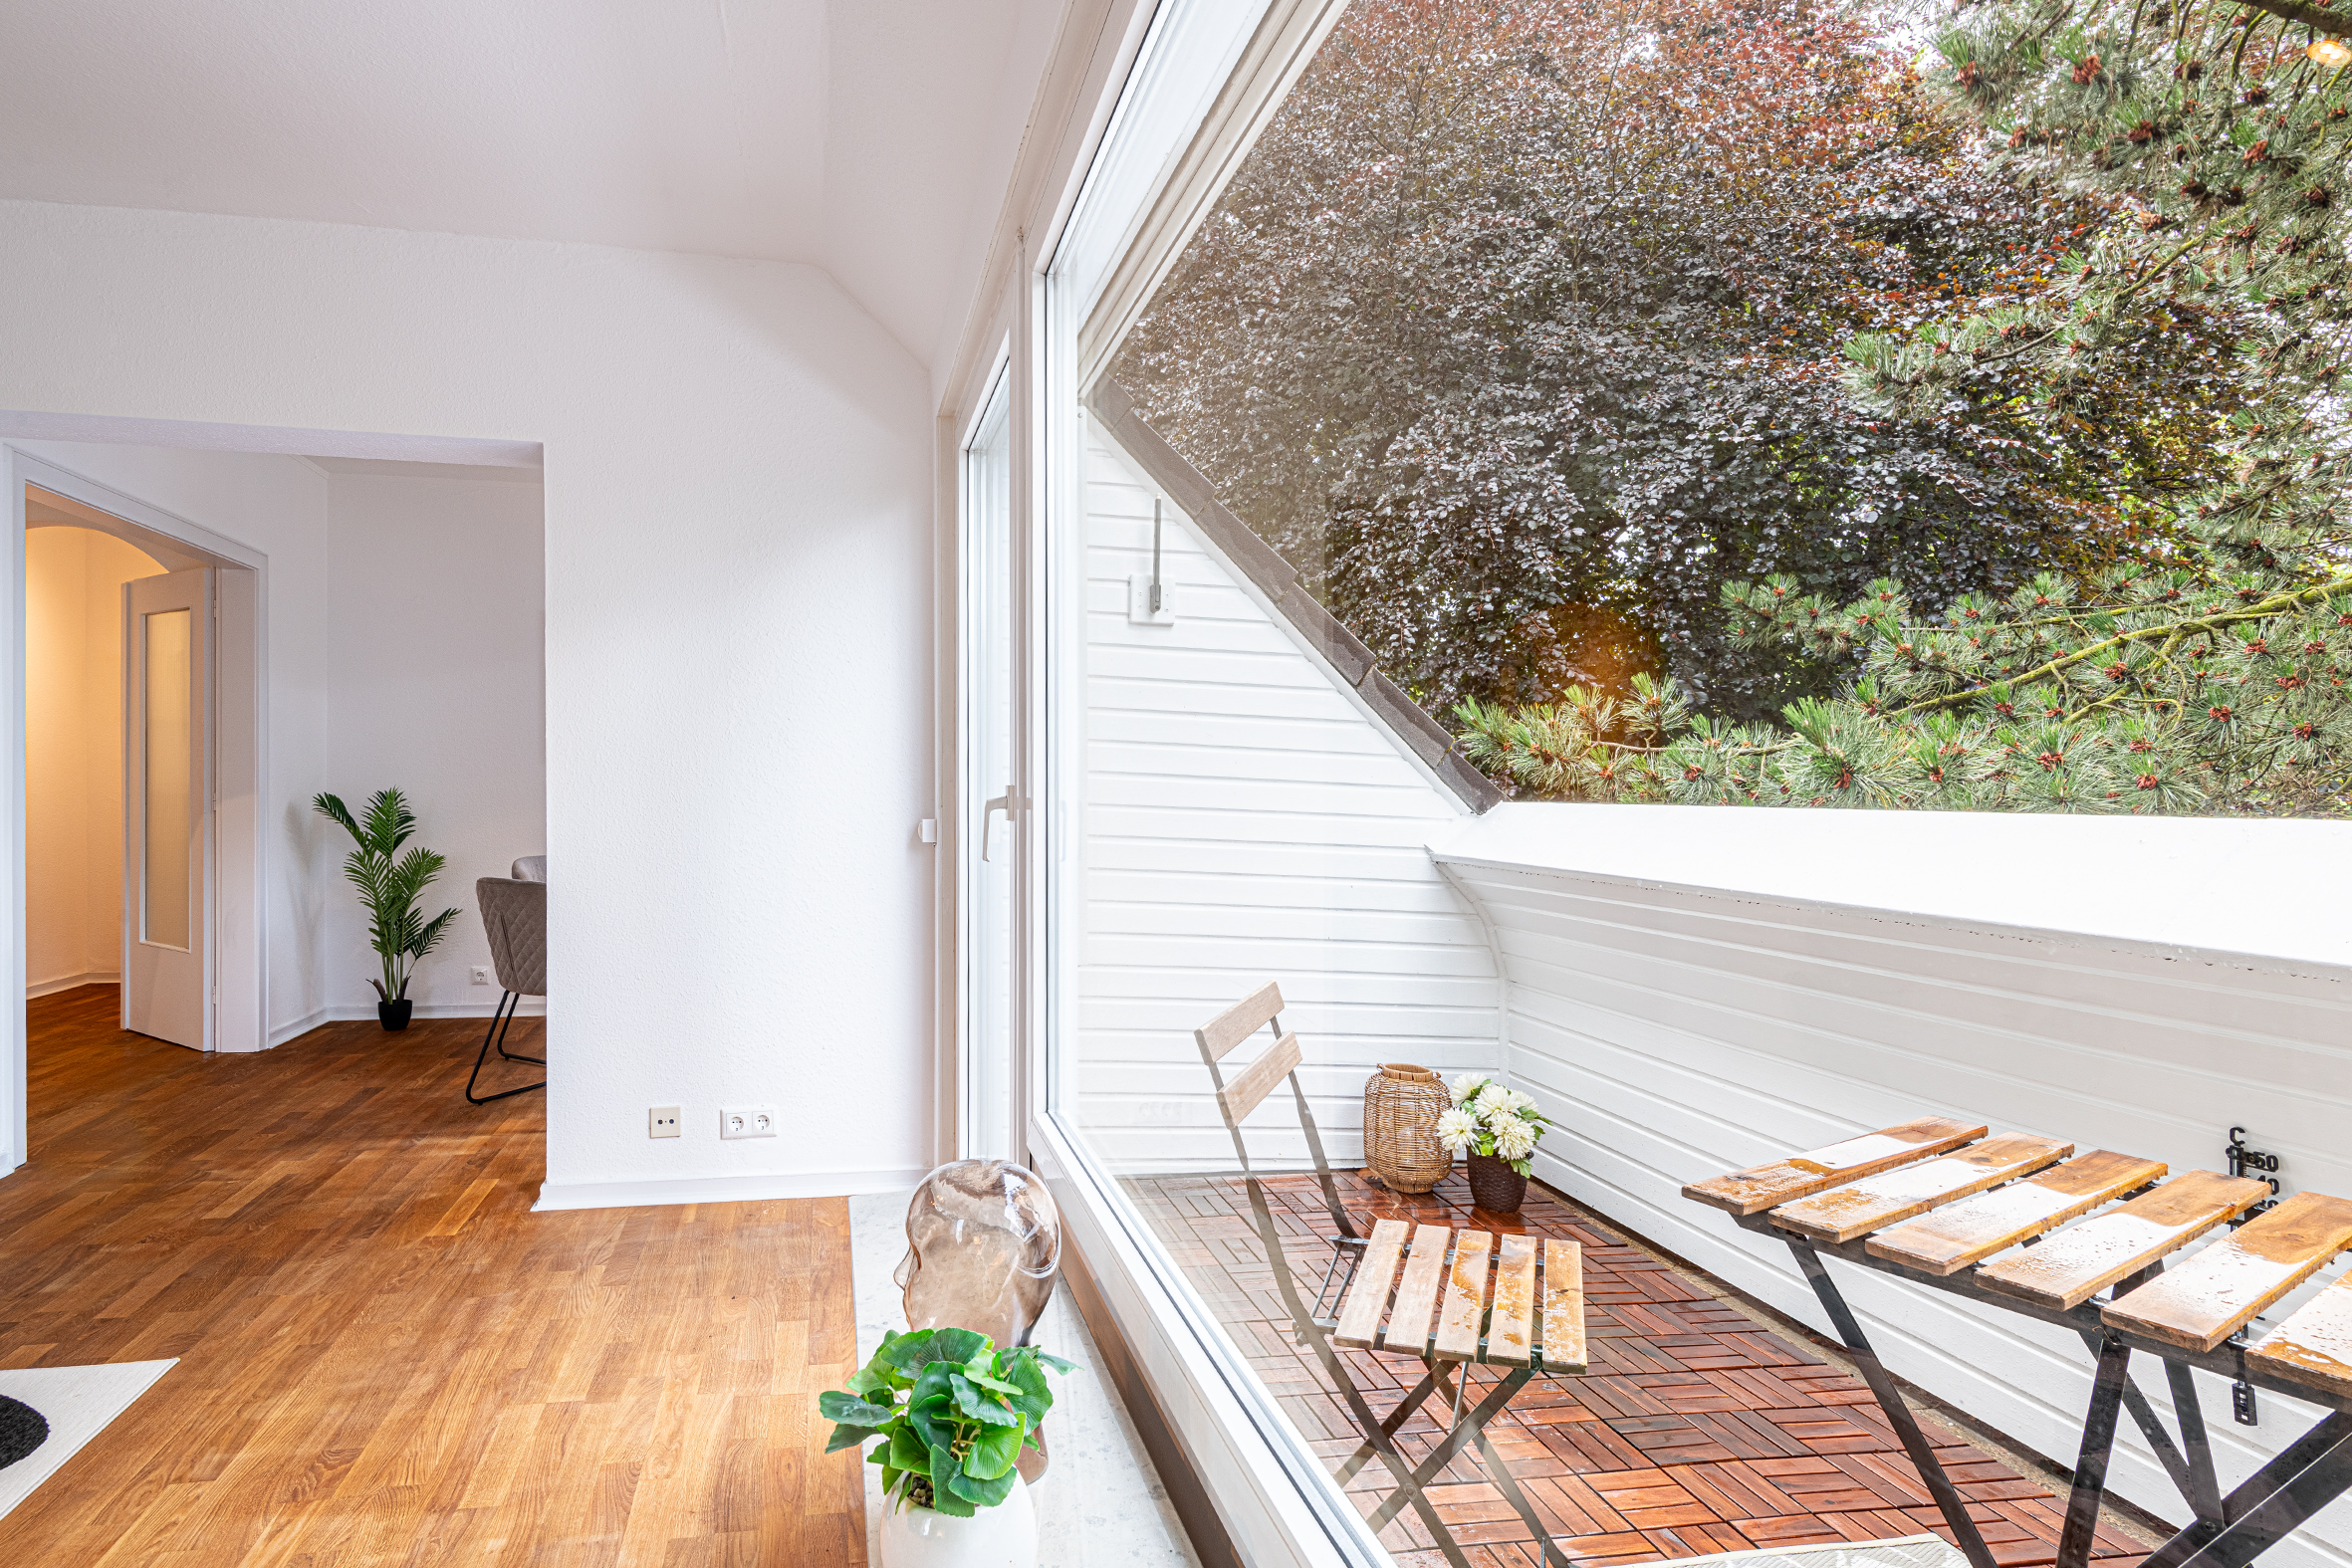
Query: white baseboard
{"points": [[353, 1011], [722, 1188], [50, 987]]}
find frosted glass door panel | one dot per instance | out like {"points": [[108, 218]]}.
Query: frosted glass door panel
{"points": [[164, 793]]}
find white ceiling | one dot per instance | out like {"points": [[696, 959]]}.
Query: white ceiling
{"points": [[870, 137]]}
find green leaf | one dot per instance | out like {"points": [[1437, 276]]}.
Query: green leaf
{"points": [[995, 1451], [846, 1436], [867, 1381], [908, 1451], [906, 1352], [979, 1406], [985, 1493], [956, 1344], [945, 1498], [836, 1406], [933, 1420], [982, 1380], [1053, 1361], [1035, 1397]]}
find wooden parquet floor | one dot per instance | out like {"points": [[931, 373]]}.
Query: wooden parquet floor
{"points": [[383, 1357], [1697, 1429]]}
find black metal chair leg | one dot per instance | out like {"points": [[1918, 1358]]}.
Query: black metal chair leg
{"points": [[502, 1028], [507, 1002]]}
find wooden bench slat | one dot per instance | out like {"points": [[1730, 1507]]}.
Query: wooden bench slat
{"points": [[2314, 1347], [1367, 1294], [1257, 1079], [1761, 1186], [1465, 1300], [2212, 1296], [1973, 1229], [1416, 1291], [1562, 1311], [1511, 1331], [1844, 1213], [2084, 1260], [1238, 1022]]}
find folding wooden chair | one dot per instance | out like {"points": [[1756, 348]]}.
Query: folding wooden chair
{"points": [[1487, 1317]]}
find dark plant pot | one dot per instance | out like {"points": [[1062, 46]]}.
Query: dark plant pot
{"points": [[395, 1017], [1495, 1186]]}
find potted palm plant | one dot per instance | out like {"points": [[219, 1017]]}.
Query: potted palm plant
{"points": [[389, 884], [953, 1413]]}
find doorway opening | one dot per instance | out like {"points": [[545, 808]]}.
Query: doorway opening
{"points": [[142, 752]]}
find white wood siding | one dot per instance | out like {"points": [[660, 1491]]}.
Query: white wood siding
{"points": [[1245, 818], [1677, 1033]]}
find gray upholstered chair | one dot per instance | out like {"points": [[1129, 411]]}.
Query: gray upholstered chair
{"points": [[514, 914]]}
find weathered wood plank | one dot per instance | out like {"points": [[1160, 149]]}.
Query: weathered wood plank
{"points": [[2084, 1260], [1257, 1079], [1465, 1300], [2212, 1296], [1761, 1186], [1563, 1313], [2314, 1347], [1844, 1213], [1511, 1330], [1367, 1294], [1973, 1229], [1238, 1022], [1409, 1322]]}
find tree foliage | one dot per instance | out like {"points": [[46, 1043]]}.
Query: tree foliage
{"points": [[2209, 675], [1524, 330]]}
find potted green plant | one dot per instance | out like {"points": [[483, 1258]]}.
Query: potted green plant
{"points": [[1497, 1129], [389, 884], [953, 1413]]}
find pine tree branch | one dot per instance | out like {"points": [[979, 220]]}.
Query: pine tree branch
{"points": [[2278, 604]]}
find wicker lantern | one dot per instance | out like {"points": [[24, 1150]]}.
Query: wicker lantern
{"points": [[1402, 1104]]}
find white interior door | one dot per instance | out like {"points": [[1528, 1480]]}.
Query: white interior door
{"points": [[167, 656]]}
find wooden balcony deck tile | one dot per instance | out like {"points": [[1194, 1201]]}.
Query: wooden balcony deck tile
{"points": [[1697, 1430]]}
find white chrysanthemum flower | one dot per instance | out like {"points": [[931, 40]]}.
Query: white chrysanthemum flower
{"points": [[1466, 1085], [1514, 1138], [1496, 1104], [1456, 1128]]}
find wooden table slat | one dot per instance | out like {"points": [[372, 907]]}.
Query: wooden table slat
{"points": [[1416, 1292], [1511, 1335], [1875, 1202], [1360, 1314], [1465, 1300], [1762, 1187], [2213, 1294], [2315, 1346], [1562, 1312], [1949, 1238], [2083, 1260]]}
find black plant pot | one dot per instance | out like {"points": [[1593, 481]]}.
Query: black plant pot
{"points": [[1495, 1186], [395, 1017]]}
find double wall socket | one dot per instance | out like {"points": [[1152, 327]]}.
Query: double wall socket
{"points": [[748, 1121], [661, 1121]]}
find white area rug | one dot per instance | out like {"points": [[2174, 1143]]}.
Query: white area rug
{"points": [[1903, 1551], [77, 1402]]}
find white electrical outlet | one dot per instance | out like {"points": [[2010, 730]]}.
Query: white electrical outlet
{"points": [[748, 1121], [661, 1121], [481, 973]]}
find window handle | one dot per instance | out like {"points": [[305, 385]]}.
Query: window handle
{"points": [[988, 818]]}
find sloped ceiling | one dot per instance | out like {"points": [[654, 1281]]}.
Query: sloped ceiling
{"points": [[870, 137]]}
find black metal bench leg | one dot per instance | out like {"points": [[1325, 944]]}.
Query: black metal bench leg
{"points": [[507, 1002], [1890, 1400], [2204, 1488], [2098, 1441], [2272, 1503]]}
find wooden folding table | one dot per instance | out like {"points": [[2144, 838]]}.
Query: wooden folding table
{"points": [[2014, 1222]]}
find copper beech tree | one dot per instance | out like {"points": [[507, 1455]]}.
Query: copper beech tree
{"points": [[1526, 328], [2206, 674]]}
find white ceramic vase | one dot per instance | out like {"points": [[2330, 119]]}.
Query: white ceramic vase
{"points": [[1005, 1536]]}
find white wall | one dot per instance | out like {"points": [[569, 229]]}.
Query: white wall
{"points": [[738, 630], [73, 754], [436, 615], [1247, 819], [1679, 1030]]}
